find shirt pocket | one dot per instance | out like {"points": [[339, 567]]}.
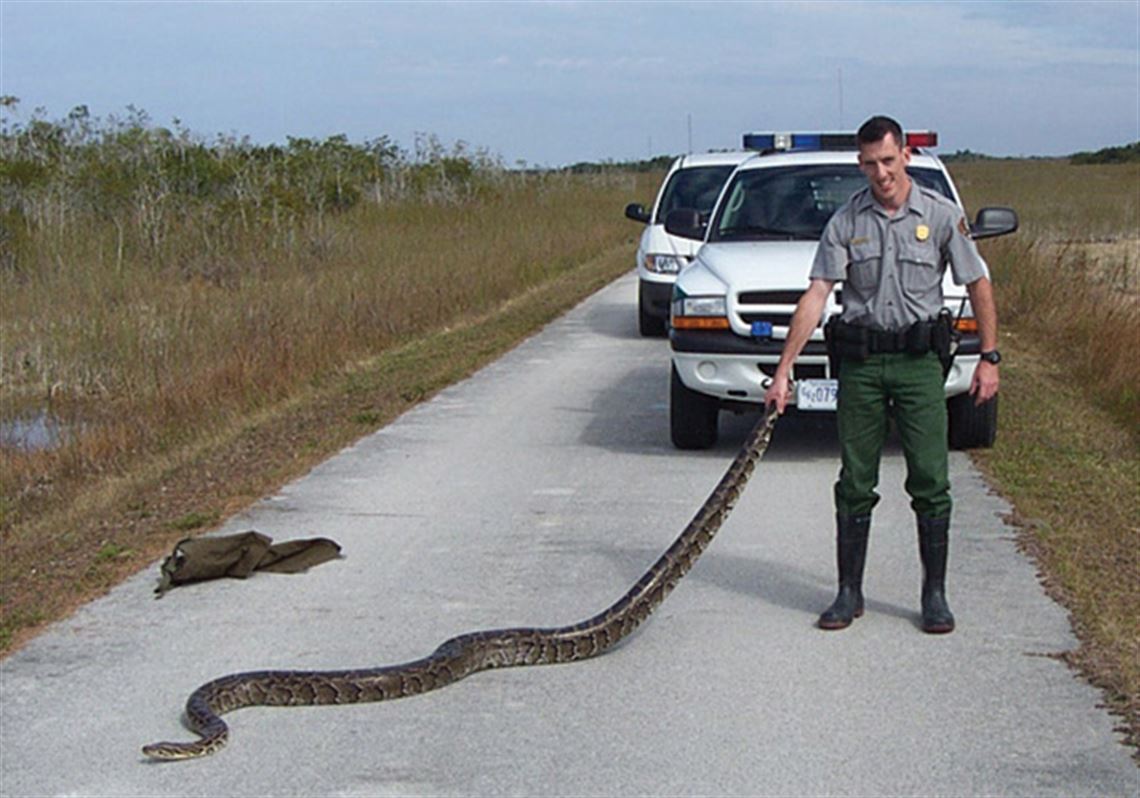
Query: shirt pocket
{"points": [[921, 267], [866, 261]]}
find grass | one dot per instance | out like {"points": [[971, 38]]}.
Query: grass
{"points": [[188, 399], [115, 526], [138, 359], [194, 520], [1072, 477], [1068, 450], [198, 380]]}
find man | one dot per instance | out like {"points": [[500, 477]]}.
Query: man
{"points": [[890, 244]]}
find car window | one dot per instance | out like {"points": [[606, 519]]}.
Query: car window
{"points": [[795, 202], [696, 187]]}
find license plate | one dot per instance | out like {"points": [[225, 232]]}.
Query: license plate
{"points": [[817, 394]]}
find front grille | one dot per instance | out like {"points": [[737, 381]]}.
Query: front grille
{"points": [[778, 317], [777, 297], [769, 297]]}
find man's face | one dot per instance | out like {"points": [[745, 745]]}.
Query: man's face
{"points": [[884, 163]]}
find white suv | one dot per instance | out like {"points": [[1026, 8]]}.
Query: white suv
{"points": [[693, 181], [732, 306]]}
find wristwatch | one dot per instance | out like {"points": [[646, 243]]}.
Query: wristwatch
{"points": [[992, 356]]}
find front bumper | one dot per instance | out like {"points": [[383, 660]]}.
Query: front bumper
{"points": [[737, 369]]}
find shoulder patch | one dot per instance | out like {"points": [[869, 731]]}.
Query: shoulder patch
{"points": [[963, 228]]}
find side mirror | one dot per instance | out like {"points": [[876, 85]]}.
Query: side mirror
{"points": [[685, 223], [993, 222], [637, 212]]}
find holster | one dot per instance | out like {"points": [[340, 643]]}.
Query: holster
{"points": [[845, 341], [944, 339]]}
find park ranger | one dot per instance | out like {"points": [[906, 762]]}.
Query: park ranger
{"points": [[890, 244]]}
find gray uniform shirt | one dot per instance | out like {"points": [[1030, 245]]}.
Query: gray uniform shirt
{"points": [[892, 266]]}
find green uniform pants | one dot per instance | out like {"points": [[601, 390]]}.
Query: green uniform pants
{"points": [[909, 388]]}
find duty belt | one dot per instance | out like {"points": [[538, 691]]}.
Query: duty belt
{"points": [[856, 342], [888, 341]]}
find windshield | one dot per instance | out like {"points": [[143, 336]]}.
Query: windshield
{"points": [[795, 202], [696, 187]]}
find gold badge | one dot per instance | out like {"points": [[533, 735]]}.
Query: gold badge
{"points": [[922, 232]]}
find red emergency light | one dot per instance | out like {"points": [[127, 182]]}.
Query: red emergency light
{"points": [[921, 138]]}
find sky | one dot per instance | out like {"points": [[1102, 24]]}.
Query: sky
{"points": [[554, 83]]}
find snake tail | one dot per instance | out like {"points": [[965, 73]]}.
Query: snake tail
{"points": [[475, 651]]}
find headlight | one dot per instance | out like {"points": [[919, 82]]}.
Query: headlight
{"points": [[702, 306], [700, 313], [665, 264]]}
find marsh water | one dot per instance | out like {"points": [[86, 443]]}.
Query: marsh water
{"points": [[33, 431]]}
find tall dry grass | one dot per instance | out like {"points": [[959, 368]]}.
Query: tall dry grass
{"points": [[1070, 279], [152, 286]]}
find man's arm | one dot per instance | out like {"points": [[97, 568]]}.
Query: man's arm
{"points": [[984, 386], [809, 310]]}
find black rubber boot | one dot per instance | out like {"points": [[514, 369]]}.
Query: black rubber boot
{"points": [[933, 540], [851, 554]]}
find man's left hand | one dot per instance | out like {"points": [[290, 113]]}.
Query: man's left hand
{"points": [[984, 386]]}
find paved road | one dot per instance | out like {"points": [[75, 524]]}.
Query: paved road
{"points": [[535, 493]]}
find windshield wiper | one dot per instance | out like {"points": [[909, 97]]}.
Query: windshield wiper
{"points": [[743, 231]]}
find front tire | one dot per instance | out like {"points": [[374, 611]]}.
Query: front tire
{"points": [[650, 326], [971, 426], [692, 416]]}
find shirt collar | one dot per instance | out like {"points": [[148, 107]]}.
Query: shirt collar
{"points": [[915, 202]]}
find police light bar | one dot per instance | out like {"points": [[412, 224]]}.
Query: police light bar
{"points": [[799, 141], [786, 142]]}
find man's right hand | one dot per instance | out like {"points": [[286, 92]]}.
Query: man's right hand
{"points": [[809, 311], [777, 393]]}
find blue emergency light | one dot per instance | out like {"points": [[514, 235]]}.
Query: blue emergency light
{"points": [[791, 142]]}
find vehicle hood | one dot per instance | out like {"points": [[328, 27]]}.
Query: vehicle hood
{"points": [[746, 265], [773, 265], [655, 240]]}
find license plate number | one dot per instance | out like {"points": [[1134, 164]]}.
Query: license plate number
{"points": [[817, 394]]}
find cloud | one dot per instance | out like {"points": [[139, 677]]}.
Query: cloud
{"points": [[1055, 76], [565, 64], [581, 64]]}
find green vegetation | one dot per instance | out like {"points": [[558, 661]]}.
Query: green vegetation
{"points": [[966, 156], [1129, 153], [1070, 279], [209, 319], [112, 551], [656, 164], [152, 285], [194, 520], [1068, 450]]}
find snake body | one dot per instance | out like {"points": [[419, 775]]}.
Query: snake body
{"points": [[468, 653]]}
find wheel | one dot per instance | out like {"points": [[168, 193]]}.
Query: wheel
{"points": [[692, 416], [971, 426], [648, 325]]}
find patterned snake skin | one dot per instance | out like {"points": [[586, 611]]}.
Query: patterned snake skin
{"points": [[476, 651]]}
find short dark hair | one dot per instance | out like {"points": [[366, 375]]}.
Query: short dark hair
{"points": [[877, 127]]}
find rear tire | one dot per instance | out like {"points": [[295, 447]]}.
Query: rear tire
{"points": [[971, 426], [692, 416]]}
